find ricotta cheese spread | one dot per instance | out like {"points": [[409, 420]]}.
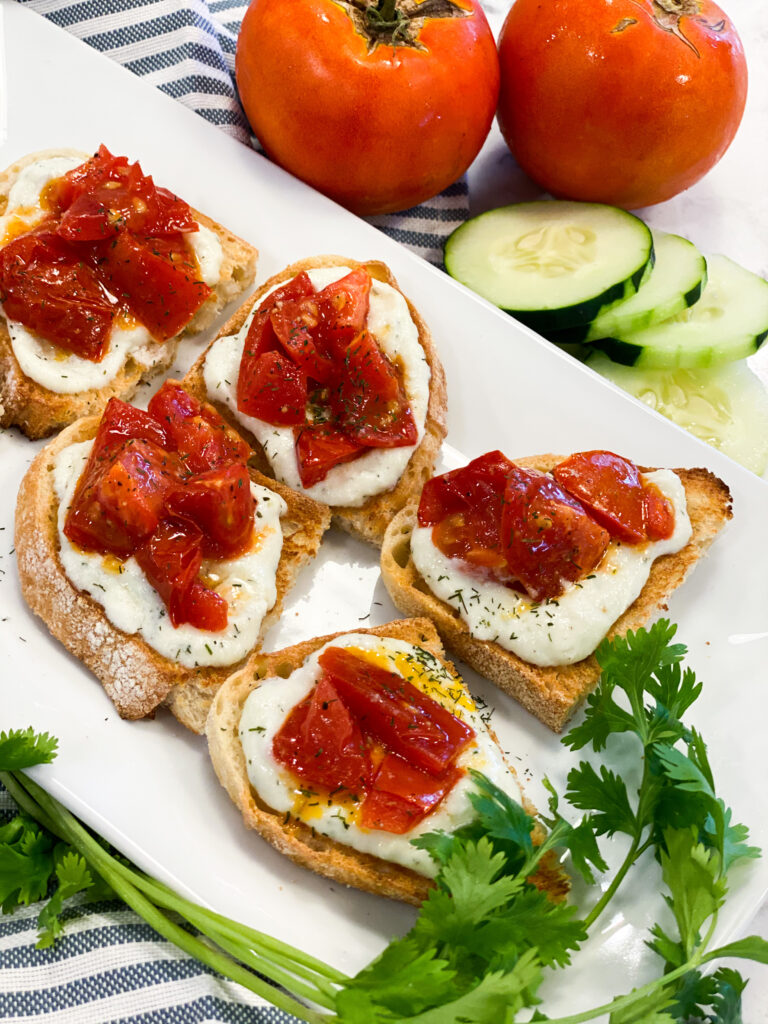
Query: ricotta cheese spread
{"points": [[130, 602], [269, 703], [562, 630], [377, 469], [64, 372]]}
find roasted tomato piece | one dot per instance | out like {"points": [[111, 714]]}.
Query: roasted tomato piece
{"points": [[343, 311], [274, 389], [119, 498], [369, 402], [171, 560], [196, 429], [261, 337], [122, 421], [46, 286], [293, 322], [464, 509], [322, 743], [220, 502], [107, 194], [548, 536], [616, 495], [320, 447], [158, 282], [401, 795], [394, 711]]}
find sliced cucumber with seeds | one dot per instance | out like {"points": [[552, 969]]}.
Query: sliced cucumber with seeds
{"points": [[726, 406], [730, 321], [675, 283], [552, 264]]}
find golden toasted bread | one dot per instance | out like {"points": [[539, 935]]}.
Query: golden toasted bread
{"points": [[552, 694], [369, 521], [135, 676], [39, 411]]}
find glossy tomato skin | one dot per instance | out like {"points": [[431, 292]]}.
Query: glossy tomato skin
{"points": [[377, 130], [616, 101]]}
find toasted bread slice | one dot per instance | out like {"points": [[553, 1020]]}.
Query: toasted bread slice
{"points": [[552, 694], [294, 838], [135, 676], [37, 410], [369, 521]]}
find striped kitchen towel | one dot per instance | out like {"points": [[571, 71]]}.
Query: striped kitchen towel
{"points": [[187, 49]]}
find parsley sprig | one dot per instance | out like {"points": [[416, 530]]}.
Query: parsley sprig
{"points": [[487, 933]]}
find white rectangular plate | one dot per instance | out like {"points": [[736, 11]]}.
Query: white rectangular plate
{"points": [[148, 786]]}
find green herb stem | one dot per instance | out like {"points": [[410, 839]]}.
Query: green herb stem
{"points": [[66, 826], [618, 878]]}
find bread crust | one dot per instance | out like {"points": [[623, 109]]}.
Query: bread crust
{"points": [[293, 838], [136, 678], [369, 521], [39, 412], [552, 694]]}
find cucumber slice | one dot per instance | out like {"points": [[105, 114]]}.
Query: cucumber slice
{"points": [[726, 406], [729, 322], [552, 264], [675, 283]]}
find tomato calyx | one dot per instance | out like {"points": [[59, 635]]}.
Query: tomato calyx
{"points": [[309, 363], [111, 242], [540, 532], [386, 23], [169, 487], [368, 735]]}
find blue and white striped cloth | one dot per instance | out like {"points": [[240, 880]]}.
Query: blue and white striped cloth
{"points": [[110, 967]]}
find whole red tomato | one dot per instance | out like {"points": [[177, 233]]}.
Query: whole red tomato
{"points": [[619, 101], [379, 104]]}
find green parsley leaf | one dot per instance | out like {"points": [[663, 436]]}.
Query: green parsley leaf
{"points": [[692, 874], [404, 980], [605, 794], [23, 748], [26, 863], [73, 876]]}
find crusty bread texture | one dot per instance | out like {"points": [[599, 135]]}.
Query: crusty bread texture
{"points": [[370, 520], [293, 838], [552, 694], [136, 678], [38, 411]]}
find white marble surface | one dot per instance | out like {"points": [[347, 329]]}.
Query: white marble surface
{"points": [[726, 212]]}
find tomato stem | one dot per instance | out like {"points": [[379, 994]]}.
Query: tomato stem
{"points": [[386, 11]]}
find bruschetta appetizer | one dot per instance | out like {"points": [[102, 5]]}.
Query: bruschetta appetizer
{"points": [[526, 566], [154, 554], [342, 750], [101, 272], [331, 374]]}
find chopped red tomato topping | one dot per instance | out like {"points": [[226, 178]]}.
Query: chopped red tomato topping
{"points": [[369, 403], [321, 742], [531, 530], [171, 560], [309, 363], [106, 194], [46, 286], [320, 447], [464, 507], [158, 283], [372, 734], [196, 429], [401, 796], [615, 494], [220, 502], [396, 712], [548, 537], [171, 487], [109, 229]]}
